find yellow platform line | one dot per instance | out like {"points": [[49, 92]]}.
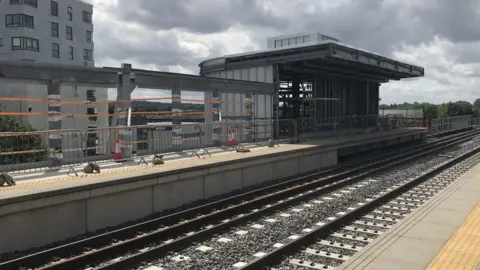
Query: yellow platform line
{"points": [[193, 161], [462, 251]]}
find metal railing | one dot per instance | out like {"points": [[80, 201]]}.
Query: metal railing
{"points": [[449, 124], [30, 151]]}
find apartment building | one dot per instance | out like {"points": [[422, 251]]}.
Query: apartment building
{"points": [[57, 32]]}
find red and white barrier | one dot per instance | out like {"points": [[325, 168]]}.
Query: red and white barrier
{"points": [[231, 138], [117, 155]]}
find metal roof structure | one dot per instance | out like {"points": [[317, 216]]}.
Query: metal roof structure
{"points": [[108, 77], [324, 56]]}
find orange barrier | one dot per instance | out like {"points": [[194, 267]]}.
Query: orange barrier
{"points": [[46, 100], [116, 114]]}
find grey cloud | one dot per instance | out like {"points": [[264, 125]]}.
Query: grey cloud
{"points": [[198, 16], [374, 25], [163, 51]]}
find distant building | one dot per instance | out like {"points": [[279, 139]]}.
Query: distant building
{"points": [[416, 114], [57, 32]]}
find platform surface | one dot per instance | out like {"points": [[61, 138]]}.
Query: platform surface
{"points": [[44, 183], [443, 234]]}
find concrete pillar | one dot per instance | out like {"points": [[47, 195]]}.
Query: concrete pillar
{"points": [[296, 81], [176, 118], [54, 123], [208, 119], [249, 125], [217, 118], [125, 86], [276, 104]]}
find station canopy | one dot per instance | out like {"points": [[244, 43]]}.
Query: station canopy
{"points": [[323, 57]]}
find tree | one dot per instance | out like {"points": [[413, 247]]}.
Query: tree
{"points": [[476, 106], [19, 148]]}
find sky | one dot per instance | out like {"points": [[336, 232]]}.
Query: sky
{"points": [[443, 36]]}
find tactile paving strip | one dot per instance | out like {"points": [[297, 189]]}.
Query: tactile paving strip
{"points": [[82, 176], [257, 151], [462, 251]]}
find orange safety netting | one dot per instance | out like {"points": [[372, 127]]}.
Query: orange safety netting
{"points": [[60, 115], [41, 100]]}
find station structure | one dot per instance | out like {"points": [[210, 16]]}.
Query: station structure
{"points": [[302, 76], [314, 76]]}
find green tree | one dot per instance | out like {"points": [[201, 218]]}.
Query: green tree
{"points": [[19, 148], [476, 106]]}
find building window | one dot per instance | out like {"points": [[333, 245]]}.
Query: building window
{"points": [[306, 39], [284, 42], [89, 36], [25, 43], [87, 54], [91, 95], [32, 3], [70, 52], [93, 112], [278, 43], [69, 13], [54, 27], [19, 20], [54, 8], [55, 50], [87, 17], [69, 33]]}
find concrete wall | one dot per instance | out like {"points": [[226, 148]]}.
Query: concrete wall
{"points": [[38, 222]]}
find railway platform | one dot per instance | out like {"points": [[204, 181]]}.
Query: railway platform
{"points": [[64, 207], [443, 234]]}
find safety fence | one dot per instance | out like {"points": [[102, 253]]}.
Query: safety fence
{"points": [[30, 151], [449, 124]]}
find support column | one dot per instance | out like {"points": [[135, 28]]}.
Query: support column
{"points": [[275, 132], [296, 96], [54, 123], [217, 117], [125, 86], [177, 118], [249, 125]]}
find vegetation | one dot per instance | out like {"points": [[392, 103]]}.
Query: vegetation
{"points": [[432, 111], [31, 147], [148, 106]]}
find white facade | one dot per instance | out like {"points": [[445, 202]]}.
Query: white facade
{"points": [[295, 39], [57, 32]]}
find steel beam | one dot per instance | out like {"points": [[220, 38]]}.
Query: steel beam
{"points": [[37, 73], [344, 75]]}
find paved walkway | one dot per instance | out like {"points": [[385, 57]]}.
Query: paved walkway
{"points": [[462, 251], [421, 241]]}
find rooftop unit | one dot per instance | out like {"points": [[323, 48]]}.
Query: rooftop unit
{"points": [[298, 38]]}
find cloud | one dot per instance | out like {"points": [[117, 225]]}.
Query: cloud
{"points": [[173, 35]]}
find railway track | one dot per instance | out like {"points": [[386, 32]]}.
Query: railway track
{"points": [[335, 240], [134, 245]]}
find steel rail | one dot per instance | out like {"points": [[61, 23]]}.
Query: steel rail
{"points": [[184, 242], [203, 214], [322, 231]]}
